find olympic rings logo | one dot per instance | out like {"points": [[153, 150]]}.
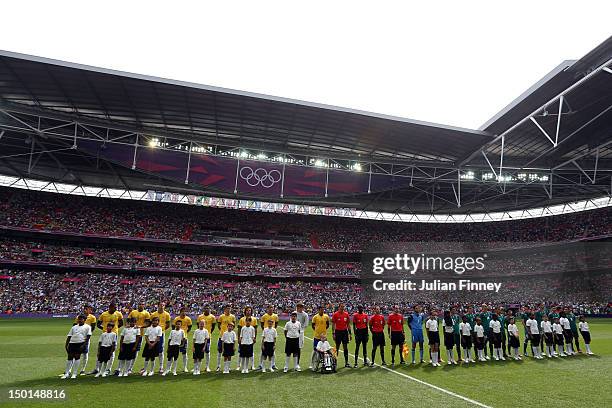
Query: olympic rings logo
{"points": [[260, 177]]}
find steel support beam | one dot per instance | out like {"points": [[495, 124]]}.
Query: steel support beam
{"points": [[201, 138], [543, 131], [558, 121], [489, 163], [587, 153], [535, 112], [592, 180]]}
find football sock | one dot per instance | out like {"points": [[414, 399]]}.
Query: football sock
{"points": [[261, 360], [85, 359], [69, 364]]}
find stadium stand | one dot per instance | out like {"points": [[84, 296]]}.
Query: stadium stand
{"points": [[126, 218], [58, 293], [510, 262]]}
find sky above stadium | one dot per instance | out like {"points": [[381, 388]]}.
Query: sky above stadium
{"points": [[451, 62]]}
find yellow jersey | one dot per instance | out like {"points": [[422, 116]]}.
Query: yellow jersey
{"points": [[208, 320], [106, 318], [242, 321], [90, 320], [265, 318], [320, 325], [185, 322], [140, 318], [223, 321], [163, 318]]}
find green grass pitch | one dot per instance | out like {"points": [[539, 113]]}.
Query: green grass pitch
{"points": [[32, 356]]}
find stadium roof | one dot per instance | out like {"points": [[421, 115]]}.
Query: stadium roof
{"points": [[216, 115], [550, 145]]}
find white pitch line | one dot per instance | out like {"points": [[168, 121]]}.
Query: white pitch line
{"points": [[435, 387]]}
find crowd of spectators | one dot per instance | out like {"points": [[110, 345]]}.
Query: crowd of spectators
{"points": [[555, 278], [139, 259], [141, 219], [532, 261], [59, 293]]}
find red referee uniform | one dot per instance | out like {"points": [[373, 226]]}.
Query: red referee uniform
{"points": [[377, 323], [360, 320], [396, 322], [341, 320]]}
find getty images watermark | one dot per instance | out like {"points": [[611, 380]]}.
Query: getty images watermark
{"points": [[493, 271], [387, 268], [418, 270]]}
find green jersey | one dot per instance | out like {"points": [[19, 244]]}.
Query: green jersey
{"points": [[572, 321], [470, 319], [456, 320], [538, 316], [485, 318]]}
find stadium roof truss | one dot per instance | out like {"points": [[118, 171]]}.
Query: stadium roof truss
{"points": [[105, 192], [551, 146]]}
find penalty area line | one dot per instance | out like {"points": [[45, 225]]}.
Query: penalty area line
{"points": [[435, 387]]}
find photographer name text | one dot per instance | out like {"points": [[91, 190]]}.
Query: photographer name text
{"points": [[435, 285]]}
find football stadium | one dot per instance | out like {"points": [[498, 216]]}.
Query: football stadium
{"points": [[168, 243]]}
